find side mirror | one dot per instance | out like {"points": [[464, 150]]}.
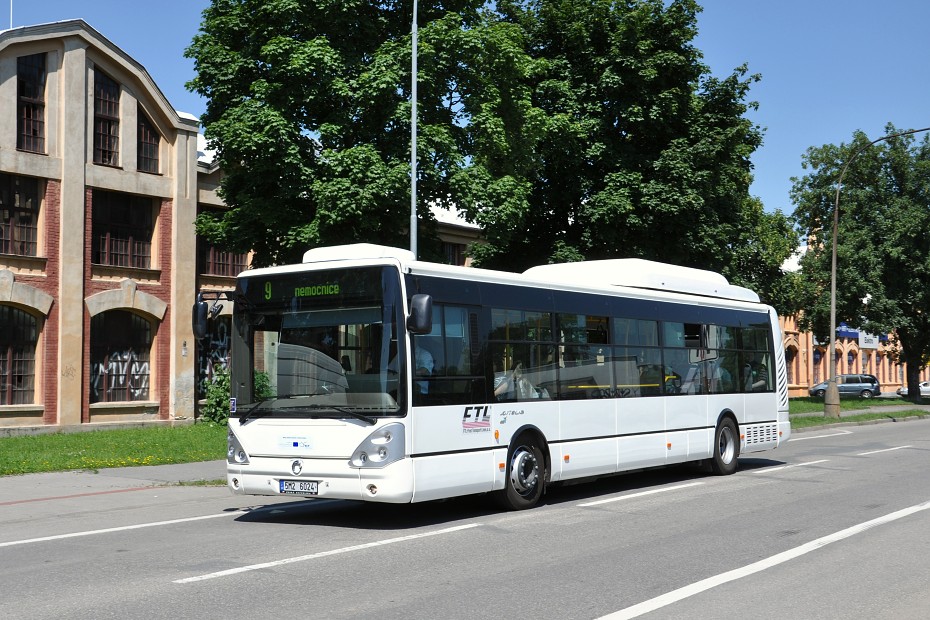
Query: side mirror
{"points": [[199, 319], [420, 320]]}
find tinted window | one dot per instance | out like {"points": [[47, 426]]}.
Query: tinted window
{"points": [[446, 359], [636, 332], [522, 354]]}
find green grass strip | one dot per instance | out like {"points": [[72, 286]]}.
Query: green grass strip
{"points": [[808, 421], [99, 449], [815, 405]]}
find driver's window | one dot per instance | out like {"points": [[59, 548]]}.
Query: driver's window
{"points": [[445, 360]]}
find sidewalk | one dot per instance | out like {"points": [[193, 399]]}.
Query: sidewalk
{"points": [[112, 480]]}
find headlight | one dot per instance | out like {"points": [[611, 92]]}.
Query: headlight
{"points": [[382, 447], [235, 454]]}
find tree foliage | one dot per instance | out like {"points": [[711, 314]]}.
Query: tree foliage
{"points": [[568, 130], [883, 250]]}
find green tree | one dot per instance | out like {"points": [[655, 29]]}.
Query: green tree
{"points": [[643, 153], [308, 106], [883, 251], [569, 130], [758, 247]]}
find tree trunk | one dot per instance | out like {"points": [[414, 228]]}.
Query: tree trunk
{"points": [[912, 379], [913, 384]]}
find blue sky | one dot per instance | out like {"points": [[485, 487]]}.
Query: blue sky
{"points": [[154, 34], [829, 67]]}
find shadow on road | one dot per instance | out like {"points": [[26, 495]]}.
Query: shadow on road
{"points": [[388, 517]]}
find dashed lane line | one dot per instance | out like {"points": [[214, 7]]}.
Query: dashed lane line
{"points": [[323, 554]]}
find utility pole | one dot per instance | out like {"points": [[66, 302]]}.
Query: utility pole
{"points": [[831, 400], [413, 134]]}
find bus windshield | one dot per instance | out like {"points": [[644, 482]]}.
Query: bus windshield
{"points": [[321, 344]]}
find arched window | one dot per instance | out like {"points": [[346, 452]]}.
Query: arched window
{"points": [[818, 358], [17, 356], [120, 342], [791, 361]]}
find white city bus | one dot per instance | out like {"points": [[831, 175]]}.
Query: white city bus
{"points": [[396, 380]]}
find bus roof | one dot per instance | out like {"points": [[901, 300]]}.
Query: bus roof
{"points": [[633, 273], [645, 274]]}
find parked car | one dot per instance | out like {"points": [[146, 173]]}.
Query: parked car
{"points": [[924, 389], [863, 386]]}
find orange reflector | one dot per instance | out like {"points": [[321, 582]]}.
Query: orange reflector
{"points": [[779, 433], [742, 436], [669, 445], [497, 435], [567, 458], [500, 466]]}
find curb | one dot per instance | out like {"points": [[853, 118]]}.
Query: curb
{"points": [[890, 418]]}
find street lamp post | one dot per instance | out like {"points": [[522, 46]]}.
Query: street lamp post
{"points": [[413, 134], [831, 401]]}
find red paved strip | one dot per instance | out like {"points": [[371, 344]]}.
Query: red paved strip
{"points": [[48, 499]]}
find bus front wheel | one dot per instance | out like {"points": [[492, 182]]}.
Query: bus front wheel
{"points": [[526, 475], [726, 448]]}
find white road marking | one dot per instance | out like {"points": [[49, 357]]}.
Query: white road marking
{"points": [[769, 470], [323, 554], [821, 436], [114, 529], [885, 450], [632, 495], [712, 582], [138, 526]]}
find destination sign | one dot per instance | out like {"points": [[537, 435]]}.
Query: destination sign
{"points": [[328, 287]]}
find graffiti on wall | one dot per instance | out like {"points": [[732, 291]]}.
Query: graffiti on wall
{"points": [[119, 376], [214, 353]]}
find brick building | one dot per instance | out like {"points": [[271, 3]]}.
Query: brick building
{"points": [[856, 353], [99, 187]]}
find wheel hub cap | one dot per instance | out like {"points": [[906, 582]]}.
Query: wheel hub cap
{"points": [[524, 471]]}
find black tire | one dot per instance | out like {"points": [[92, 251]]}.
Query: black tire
{"points": [[866, 394], [726, 448], [526, 475], [820, 393]]}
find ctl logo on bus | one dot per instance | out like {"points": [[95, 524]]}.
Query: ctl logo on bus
{"points": [[477, 419]]}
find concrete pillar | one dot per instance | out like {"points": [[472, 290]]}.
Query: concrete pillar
{"points": [[74, 133]]}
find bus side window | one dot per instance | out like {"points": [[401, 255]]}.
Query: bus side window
{"points": [[521, 355], [453, 378], [586, 368]]}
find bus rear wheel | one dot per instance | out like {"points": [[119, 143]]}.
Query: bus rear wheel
{"points": [[526, 475], [726, 448]]}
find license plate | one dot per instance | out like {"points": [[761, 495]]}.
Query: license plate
{"points": [[299, 487]]}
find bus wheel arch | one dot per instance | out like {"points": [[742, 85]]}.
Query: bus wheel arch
{"points": [[526, 470], [725, 449]]}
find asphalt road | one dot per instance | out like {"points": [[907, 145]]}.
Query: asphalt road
{"points": [[836, 524]]}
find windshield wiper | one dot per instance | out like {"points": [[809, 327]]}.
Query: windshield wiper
{"points": [[254, 408], [346, 410], [315, 407]]}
